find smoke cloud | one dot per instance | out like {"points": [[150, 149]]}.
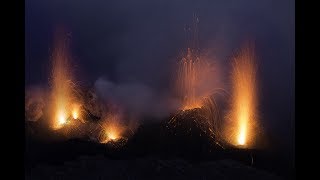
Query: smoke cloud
{"points": [[135, 98], [34, 103]]}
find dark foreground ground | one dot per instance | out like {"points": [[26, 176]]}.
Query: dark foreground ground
{"points": [[151, 153], [100, 167]]}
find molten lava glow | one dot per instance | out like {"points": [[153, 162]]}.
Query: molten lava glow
{"points": [[75, 111], [61, 118], [242, 135], [243, 115], [75, 114], [111, 129], [112, 134]]}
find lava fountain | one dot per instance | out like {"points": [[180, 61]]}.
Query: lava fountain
{"points": [[243, 114], [196, 86], [62, 86], [194, 72], [187, 81], [194, 80], [197, 91]]}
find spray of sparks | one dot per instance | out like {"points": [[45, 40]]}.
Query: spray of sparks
{"points": [[193, 84], [207, 119], [193, 75], [188, 77], [63, 94], [243, 115]]}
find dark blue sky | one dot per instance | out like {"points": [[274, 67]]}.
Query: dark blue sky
{"points": [[139, 41]]}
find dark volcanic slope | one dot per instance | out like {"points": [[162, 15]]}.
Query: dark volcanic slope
{"points": [[180, 150], [99, 167], [188, 135]]}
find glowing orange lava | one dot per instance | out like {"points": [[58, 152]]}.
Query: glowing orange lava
{"points": [[75, 111], [62, 119], [111, 129], [112, 132], [242, 134], [75, 114], [243, 114]]}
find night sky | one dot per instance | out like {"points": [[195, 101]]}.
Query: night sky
{"points": [[138, 42]]}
